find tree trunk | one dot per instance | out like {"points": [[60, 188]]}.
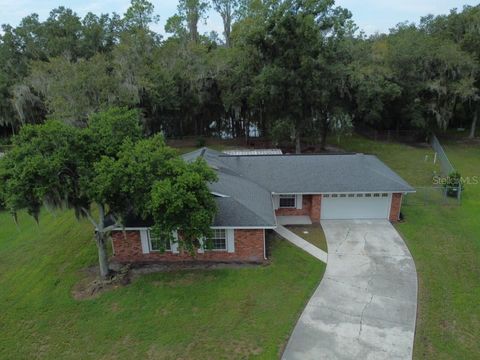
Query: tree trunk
{"points": [[298, 145], [227, 36], [323, 140], [323, 135], [474, 123], [101, 241]]}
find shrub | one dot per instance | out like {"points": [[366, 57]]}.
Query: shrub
{"points": [[201, 142], [453, 183]]}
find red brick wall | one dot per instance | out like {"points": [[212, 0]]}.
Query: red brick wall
{"points": [[395, 206], [311, 205], [305, 210], [249, 247], [316, 208]]}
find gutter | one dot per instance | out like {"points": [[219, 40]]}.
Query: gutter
{"points": [[344, 192]]}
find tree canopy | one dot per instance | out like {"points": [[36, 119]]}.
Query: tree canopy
{"points": [[294, 70], [107, 170]]}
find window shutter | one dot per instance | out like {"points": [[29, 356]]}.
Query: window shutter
{"points": [[144, 240], [298, 201], [230, 240], [200, 248], [174, 243], [276, 201]]}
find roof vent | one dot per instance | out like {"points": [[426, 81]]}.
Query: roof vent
{"points": [[253, 152]]}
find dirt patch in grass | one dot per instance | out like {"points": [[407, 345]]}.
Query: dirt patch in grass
{"points": [[90, 286], [312, 233], [143, 269]]}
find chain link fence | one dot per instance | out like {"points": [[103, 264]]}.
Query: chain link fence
{"points": [[431, 195], [446, 169], [445, 164]]}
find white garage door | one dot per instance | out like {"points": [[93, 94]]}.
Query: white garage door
{"points": [[355, 206]]}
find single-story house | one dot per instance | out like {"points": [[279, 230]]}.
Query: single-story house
{"points": [[256, 192]]}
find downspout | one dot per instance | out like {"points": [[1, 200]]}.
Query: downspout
{"points": [[276, 224], [264, 246]]}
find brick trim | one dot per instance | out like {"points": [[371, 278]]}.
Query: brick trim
{"points": [[316, 208], [305, 210], [395, 207], [249, 247]]}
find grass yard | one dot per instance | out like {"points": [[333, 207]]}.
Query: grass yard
{"points": [[445, 244], [314, 234], [223, 313]]}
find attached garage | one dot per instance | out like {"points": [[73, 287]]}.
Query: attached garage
{"points": [[356, 206]]}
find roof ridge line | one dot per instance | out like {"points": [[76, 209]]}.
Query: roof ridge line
{"points": [[305, 154]]}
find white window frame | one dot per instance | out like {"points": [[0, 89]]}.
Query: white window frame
{"points": [[225, 238], [287, 196], [229, 241], [150, 247]]}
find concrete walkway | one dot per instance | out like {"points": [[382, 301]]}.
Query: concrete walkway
{"points": [[301, 243], [365, 306], [294, 220]]}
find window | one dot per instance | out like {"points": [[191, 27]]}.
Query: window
{"points": [[343, 195], [287, 201], [326, 195], [368, 195], [334, 195], [384, 195], [219, 239], [376, 195], [359, 195], [157, 243]]}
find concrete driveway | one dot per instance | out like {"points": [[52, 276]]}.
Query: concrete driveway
{"points": [[365, 306]]}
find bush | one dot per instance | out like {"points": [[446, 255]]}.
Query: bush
{"points": [[453, 184], [5, 144], [283, 132], [201, 142]]}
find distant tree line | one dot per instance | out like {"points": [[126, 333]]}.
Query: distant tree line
{"points": [[296, 70]]}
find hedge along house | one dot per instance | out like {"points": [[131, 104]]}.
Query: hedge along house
{"points": [[255, 193]]}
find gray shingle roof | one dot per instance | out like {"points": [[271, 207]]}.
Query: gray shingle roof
{"points": [[233, 213], [318, 173], [240, 193], [246, 182]]}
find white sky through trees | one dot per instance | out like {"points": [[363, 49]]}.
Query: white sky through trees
{"points": [[370, 15]]}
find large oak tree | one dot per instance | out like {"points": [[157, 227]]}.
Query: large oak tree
{"points": [[106, 169]]}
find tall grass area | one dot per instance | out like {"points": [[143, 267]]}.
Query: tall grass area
{"points": [[445, 243], [223, 313]]}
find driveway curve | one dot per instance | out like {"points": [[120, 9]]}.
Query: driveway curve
{"points": [[365, 306]]}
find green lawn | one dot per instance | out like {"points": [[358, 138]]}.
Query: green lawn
{"points": [[223, 313], [445, 244], [312, 233], [234, 313]]}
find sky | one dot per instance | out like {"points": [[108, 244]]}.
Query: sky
{"points": [[370, 15]]}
